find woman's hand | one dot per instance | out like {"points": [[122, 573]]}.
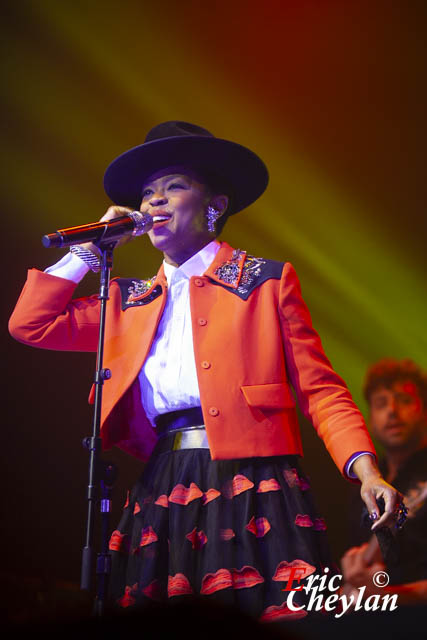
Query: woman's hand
{"points": [[374, 487], [111, 214]]}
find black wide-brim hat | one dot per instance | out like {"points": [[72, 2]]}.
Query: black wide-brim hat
{"points": [[235, 170]]}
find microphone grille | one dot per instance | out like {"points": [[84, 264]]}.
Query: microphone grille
{"points": [[143, 222]]}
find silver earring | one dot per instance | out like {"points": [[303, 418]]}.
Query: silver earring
{"points": [[212, 216]]}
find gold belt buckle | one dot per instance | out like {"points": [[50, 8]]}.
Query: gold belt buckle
{"points": [[191, 439]]}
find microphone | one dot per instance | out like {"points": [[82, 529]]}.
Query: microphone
{"points": [[134, 223]]}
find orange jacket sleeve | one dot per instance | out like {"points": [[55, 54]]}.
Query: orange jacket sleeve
{"points": [[50, 320], [322, 394]]}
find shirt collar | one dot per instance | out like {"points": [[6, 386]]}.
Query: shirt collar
{"points": [[194, 266]]}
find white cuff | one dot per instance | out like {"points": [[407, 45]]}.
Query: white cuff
{"points": [[349, 465], [70, 267]]}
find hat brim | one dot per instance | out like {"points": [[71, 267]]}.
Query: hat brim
{"points": [[241, 168]]}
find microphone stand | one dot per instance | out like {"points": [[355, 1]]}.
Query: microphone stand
{"points": [[93, 444]]}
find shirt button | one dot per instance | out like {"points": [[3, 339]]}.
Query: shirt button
{"points": [[206, 364], [213, 411], [199, 282], [202, 321]]}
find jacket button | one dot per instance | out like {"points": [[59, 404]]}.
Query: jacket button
{"points": [[213, 411], [202, 321], [199, 282], [206, 364]]}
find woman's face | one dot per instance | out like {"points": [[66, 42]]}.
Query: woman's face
{"points": [[177, 200]]}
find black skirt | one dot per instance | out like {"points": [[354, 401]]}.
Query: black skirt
{"points": [[229, 531]]}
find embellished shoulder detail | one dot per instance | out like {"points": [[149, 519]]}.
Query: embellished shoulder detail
{"points": [[230, 272], [242, 273], [136, 293]]}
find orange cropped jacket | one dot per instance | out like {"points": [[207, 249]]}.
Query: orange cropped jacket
{"points": [[253, 341]]}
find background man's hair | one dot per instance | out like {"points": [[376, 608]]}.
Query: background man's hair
{"points": [[387, 371]]}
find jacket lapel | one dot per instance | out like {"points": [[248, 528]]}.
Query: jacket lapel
{"points": [[227, 267]]}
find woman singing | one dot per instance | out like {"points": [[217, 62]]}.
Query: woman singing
{"points": [[204, 357]]}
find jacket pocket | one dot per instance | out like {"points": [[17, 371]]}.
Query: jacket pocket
{"points": [[277, 395]]}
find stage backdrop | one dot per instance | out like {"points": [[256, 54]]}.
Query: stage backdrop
{"points": [[330, 94]]}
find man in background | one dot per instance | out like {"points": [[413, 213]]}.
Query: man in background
{"points": [[396, 392]]}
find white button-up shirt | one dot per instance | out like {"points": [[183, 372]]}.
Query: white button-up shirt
{"points": [[168, 378]]}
